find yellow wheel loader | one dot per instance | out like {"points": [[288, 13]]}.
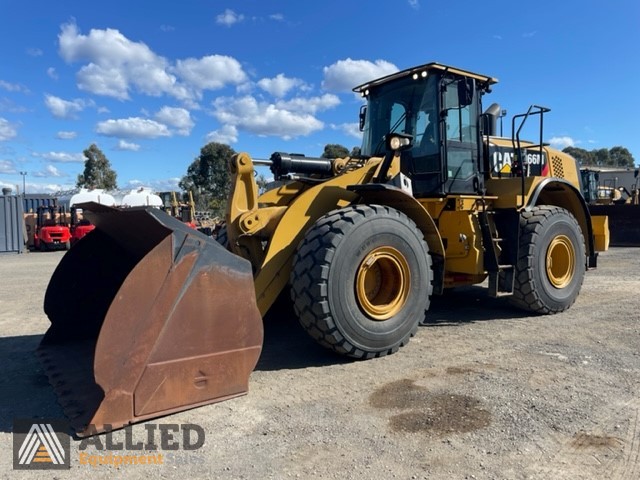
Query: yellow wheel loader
{"points": [[168, 319]]}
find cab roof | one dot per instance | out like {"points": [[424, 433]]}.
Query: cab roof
{"points": [[487, 81]]}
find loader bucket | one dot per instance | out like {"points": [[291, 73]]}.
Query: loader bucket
{"points": [[148, 317]]}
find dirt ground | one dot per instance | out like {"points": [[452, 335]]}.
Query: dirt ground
{"points": [[483, 392]]}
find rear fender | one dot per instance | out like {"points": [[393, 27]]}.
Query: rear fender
{"points": [[561, 193]]}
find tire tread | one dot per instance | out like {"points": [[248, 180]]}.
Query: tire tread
{"points": [[532, 224], [312, 260]]}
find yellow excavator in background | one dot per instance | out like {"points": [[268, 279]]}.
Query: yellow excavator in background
{"points": [[172, 320], [185, 212], [615, 193]]}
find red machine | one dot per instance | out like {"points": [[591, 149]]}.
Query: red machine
{"points": [[79, 226], [52, 232]]}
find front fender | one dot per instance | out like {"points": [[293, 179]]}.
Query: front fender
{"points": [[394, 197]]}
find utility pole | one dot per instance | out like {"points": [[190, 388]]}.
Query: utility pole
{"points": [[24, 175]]}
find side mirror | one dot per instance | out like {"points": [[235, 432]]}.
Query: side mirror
{"points": [[362, 117], [465, 92]]}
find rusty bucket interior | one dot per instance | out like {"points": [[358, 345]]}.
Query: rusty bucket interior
{"points": [[148, 317]]}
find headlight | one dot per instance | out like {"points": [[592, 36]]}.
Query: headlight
{"points": [[398, 142], [395, 143]]}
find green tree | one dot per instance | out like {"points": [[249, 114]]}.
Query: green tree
{"points": [[333, 150], [584, 157], [262, 183], [97, 170], [602, 157], [621, 157], [208, 177]]}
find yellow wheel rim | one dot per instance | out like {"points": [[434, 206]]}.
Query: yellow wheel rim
{"points": [[561, 261], [383, 282]]}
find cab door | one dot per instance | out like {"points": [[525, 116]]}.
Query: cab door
{"points": [[460, 133]]}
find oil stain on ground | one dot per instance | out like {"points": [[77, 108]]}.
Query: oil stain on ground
{"points": [[587, 440], [429, 412]]}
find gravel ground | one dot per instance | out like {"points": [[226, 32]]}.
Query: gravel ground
{"points": [[484, 392]]}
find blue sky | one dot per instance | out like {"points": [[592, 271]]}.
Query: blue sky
{"points": [[152, 82]]}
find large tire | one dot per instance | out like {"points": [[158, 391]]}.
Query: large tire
{"points": [[361, 280], [551, 260]]}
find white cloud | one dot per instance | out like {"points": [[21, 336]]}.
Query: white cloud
{"points": [[227, 134], [7, 166], [178, 118], [13, 87], [279, 85], [7, 130], [116, 66], [562, 142], [49, 171], [168, 121], [163, 185], [351, 129], [133, 127], [49, 187], [61, 157], [229, 17], [8, 105], [310, 105], [51, 72], [415, 4], [110, 82], [127, 146], [344, 75], [211, 72], [245, 88], [53, 171], [62, 135], [34, 52], [261, 118], [278, 17], [68, 109]]}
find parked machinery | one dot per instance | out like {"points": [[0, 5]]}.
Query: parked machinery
{"points": [[185, 212], [78, 224], [52, 231], [615, 192]]}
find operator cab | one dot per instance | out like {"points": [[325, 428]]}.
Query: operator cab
{"points": [[439, 107]]}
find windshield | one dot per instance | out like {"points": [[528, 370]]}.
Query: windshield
{"points": [[406, 106]]}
